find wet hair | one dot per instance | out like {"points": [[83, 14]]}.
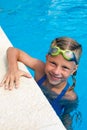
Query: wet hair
{"points": [[68, 43]]}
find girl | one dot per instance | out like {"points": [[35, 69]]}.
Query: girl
{"points": [[61, 62]]}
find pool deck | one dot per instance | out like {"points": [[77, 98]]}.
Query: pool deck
{"points": [[25, 108]]}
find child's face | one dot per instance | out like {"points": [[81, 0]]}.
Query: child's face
{"points": [[58, 69]]}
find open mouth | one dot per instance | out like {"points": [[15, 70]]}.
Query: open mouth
{"points": [[55, 77]]}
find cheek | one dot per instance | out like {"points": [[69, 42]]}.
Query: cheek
{"points": [[66, 74], [48, 67]]}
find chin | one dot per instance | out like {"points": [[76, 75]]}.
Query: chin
{"points": [[54, 83]]}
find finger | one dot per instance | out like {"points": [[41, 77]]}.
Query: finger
{"points": [[6, 83], [27, 75], [17, 82], [6, 86], [3, 81], [11, 84]]}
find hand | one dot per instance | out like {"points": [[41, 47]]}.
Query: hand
{"points": [[11, 79]]}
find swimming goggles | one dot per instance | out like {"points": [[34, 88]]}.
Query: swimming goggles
{"points": [[67, 54]]}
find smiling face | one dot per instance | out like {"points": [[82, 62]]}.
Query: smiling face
{"points": [[58, 69]]}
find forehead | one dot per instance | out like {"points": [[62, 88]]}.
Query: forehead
{"points": [[59, 59]]}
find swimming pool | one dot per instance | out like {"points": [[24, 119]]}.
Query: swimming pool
{"points": [[32, 25]]}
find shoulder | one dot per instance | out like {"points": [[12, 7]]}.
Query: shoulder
{"points": [[71, 95], [70, 101], [39, 66], [39, 70]]}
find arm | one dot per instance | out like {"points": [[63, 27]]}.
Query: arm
{"points": [[13, 74], [14, 55]]}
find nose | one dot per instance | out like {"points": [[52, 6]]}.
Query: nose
{"points": [[57, 71]]}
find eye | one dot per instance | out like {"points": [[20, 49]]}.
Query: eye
{"points": [[52, 63], [65, 68]]}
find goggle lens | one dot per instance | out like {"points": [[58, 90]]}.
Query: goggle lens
{"points": [[54, 51], [67, 54]]}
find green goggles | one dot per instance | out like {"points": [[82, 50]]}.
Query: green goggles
{"points": [[67, 54]]}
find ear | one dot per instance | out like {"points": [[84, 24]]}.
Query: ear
{"points": [[74, 69], [46, 56]]}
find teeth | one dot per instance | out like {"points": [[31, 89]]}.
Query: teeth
{"points": [[56, 76]]}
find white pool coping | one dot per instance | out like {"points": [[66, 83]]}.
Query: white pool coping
{"points": [[25, 108]]}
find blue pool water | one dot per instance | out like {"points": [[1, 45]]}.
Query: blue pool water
{"points": [[32, 25]]}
